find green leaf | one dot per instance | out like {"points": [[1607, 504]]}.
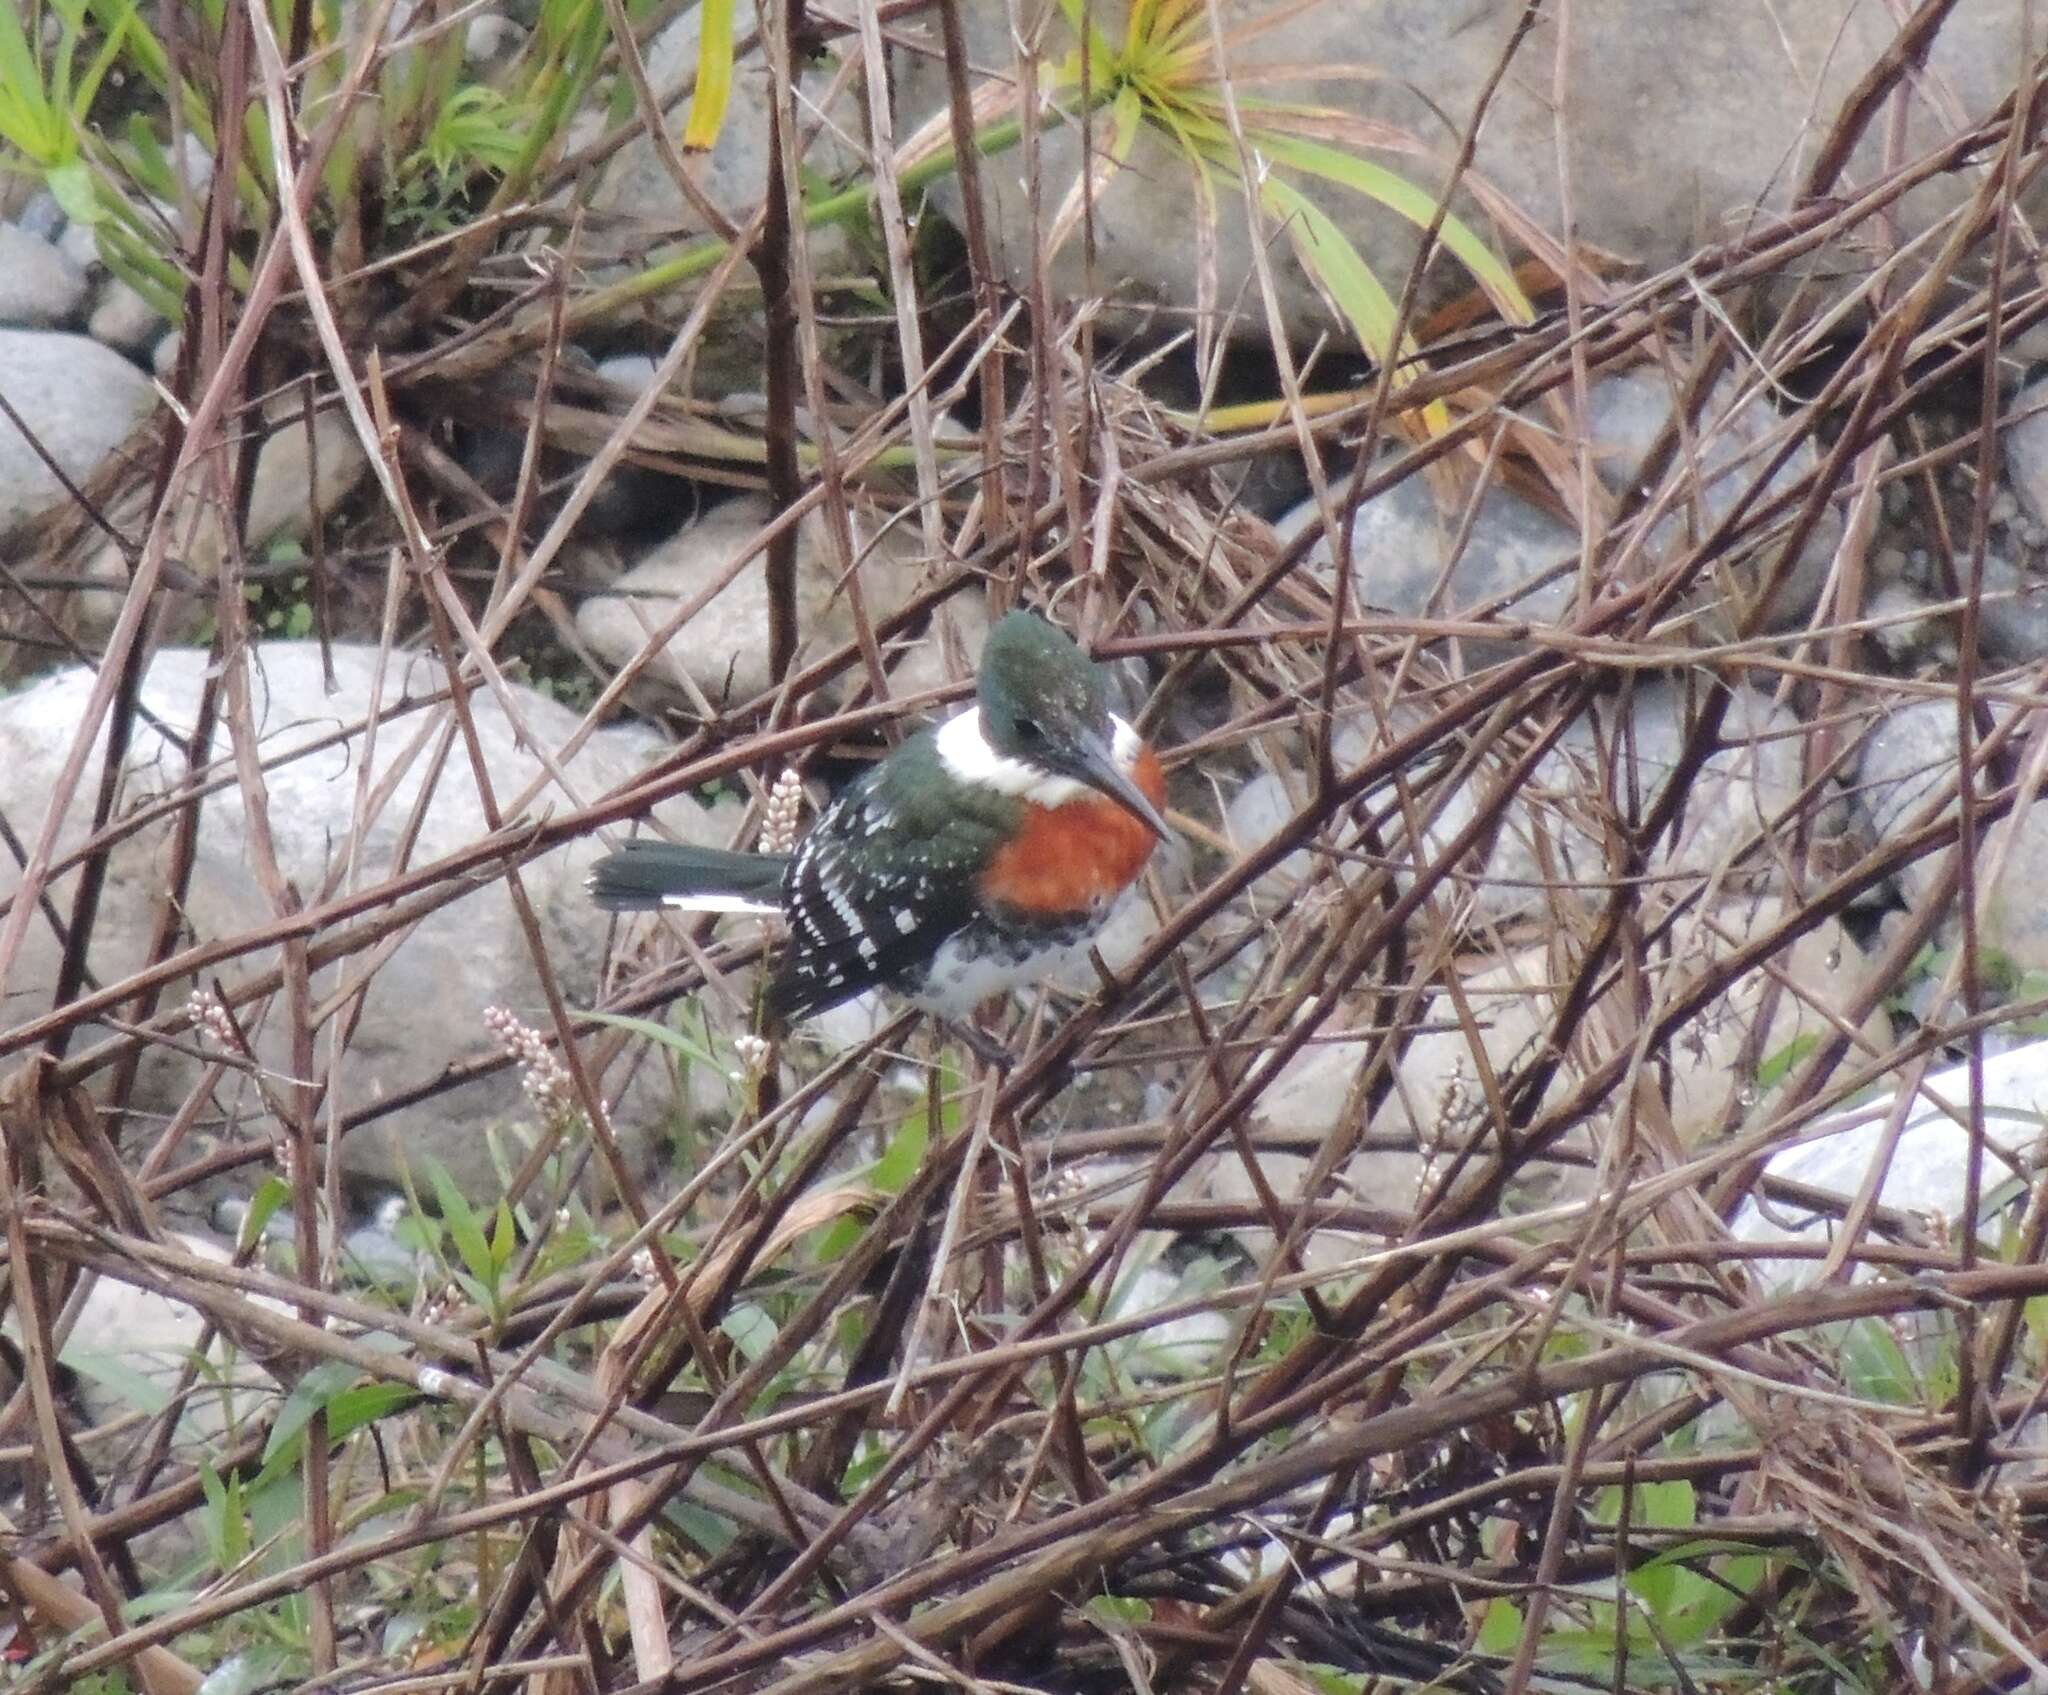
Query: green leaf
{"points": [[1407, 200], [904, 1156], [365, 1404], [504, 1238], [1778, 1066], [227, 1526], [659, 1033], [308, 1396], [714, 77], [271, 1194], [1121, 1609], [33, 114], [1501, 1627], [71, 185], [1328, 256], [1874, 1366], [112, 1371], [463, 1229], [838, 1239], [752, 1330]]}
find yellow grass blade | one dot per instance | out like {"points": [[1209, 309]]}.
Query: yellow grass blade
{"points": [[714, 78]]}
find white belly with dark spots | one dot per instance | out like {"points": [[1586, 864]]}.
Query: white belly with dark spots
{"points": [[990, 959]]}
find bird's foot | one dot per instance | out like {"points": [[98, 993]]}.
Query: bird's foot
{"points": [[983, 1046]]}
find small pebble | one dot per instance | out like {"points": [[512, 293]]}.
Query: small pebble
{"points": [[124, 320], [80, 245], [634, 371], [39, 287], [42, 216], [490, 36]]}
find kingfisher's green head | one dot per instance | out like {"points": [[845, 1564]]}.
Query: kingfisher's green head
{"points": [[1045, 705]]}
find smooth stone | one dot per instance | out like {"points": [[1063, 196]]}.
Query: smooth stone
{"points": [[1733, 439], [1928, 1172], [1713, 1063], [423, 1010], [1520, 562], [632, 371], [131, 1345], [2013, 616], [1906, 760], [1914, 635], [123, 319], [41, 216], [2026, 449], [1684, 123], [1167, 1349], [39, 287], [80, 243], [1908, 755], [1437, 1098], [81, 399], [1310, 1097], [1540, 844], [733, 175], [1400, 545], [721, 654], [284, 495], [490, 36]]}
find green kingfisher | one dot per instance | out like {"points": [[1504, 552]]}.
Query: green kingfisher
{"points": [[975, 859]]}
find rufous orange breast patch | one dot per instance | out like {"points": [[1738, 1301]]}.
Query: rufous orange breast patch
{"points": [[1066, 859]]}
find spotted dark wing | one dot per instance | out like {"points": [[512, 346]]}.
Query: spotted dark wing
{"points": [[882, 879]]}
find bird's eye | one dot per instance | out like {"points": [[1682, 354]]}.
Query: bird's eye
{"points": [[1028, 730]]}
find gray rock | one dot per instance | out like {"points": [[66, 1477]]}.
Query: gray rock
{"points": [[1550, 837], [1905, 762], [1737, 793], [1928, 1172], [2026, 450], [124, 319], [81, 245], [284, 493], [631, 371], [1734, 438], [1910, 634], [734, 174], [721, 654], [423, 1009], [2014, 613], [1312, 1096], [1520, 563], [1401, 543], [296, 477], [1906, 759], [1170, 1348], [39, 287], [490, 36], [41, 216], [1712, 1064], [82, 401], [1685, 122], [131, 1345]]}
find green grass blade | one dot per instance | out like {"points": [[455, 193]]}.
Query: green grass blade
{"points": [[103, 61], [1408, 200], [1328, 256], [28, 118], [714, 78]]}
